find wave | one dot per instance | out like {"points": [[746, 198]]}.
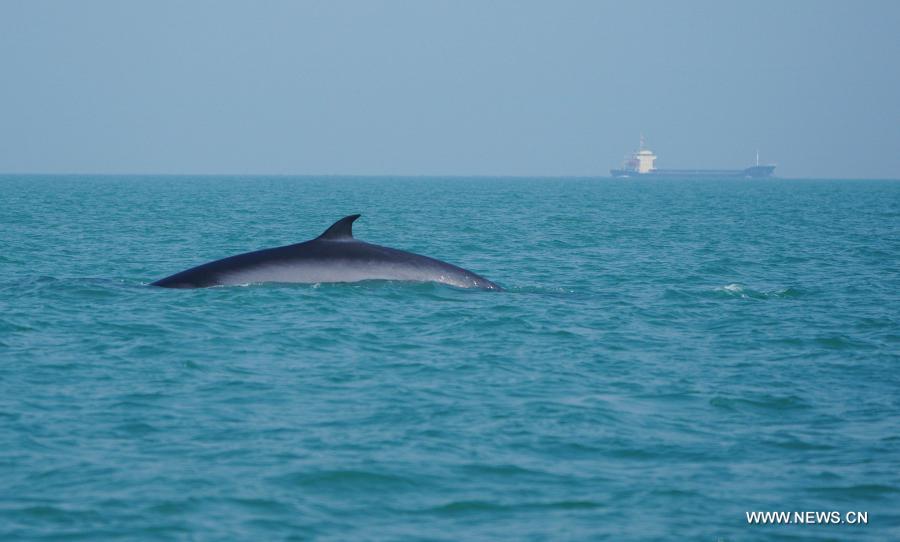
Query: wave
{"points": [[736, 289]]}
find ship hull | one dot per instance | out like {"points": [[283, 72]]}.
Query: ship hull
{"points": [[750, 172]]}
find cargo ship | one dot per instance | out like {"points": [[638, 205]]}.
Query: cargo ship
{"points": [[641, 164]]}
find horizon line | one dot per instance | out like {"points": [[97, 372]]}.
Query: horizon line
{"points": [[408, 176]]}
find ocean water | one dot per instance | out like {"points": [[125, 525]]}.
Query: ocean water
{"points": [[666, 356]]}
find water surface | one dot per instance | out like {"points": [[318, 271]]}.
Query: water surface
{"points": [[667, 355]]}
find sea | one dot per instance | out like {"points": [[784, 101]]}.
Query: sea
{"points": [[666, 358]]}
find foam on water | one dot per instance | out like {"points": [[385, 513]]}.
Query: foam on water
{"points": [[666, 356]]}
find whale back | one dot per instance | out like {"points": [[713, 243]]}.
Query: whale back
{"points": [[334, 256]]}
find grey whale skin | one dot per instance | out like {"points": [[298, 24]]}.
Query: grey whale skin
{"points": [[334, 256]]}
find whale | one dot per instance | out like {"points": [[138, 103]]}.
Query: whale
{"points": [[334, 256]]}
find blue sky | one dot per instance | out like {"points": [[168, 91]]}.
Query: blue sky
{"points": [[452, 88]]}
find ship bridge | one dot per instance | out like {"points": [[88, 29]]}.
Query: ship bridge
{"points": [[641, 161]]}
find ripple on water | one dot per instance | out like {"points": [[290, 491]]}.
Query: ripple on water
{"points": [[760, 402]]}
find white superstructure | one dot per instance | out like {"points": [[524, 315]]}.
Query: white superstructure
{"points": [[640, 161]]}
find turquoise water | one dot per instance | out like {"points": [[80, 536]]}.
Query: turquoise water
{"points": [[666, 357]]}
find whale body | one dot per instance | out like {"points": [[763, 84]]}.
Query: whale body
{"points": [[334, 256]]}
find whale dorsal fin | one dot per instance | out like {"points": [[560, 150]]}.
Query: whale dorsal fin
{"points": [[340, 230]]}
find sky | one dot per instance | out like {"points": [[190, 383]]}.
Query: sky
{"points": [[431, 87]]}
